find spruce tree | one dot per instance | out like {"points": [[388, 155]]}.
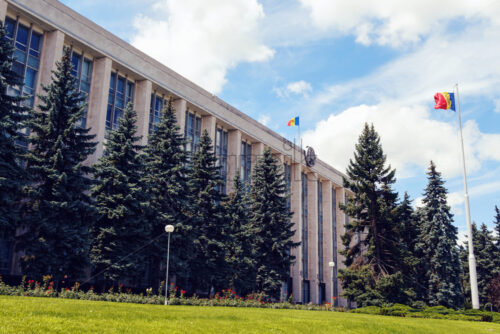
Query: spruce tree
{"points": [[373, 209], [487, 262], [56, 238], [13, 117], [240, 254], [496, 222], [166, 185], [438, 244], [206, 218], [121, 228], [271, 217]]}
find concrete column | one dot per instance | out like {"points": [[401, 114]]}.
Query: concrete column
{"points": [[98, 103], [180, 107], [142, 106], [52, 51], [327, 238], [3, 10], [296, 207], [312, 220], [209, 123], [257, 153], [233, 156], [280, 157], [340, 192]]}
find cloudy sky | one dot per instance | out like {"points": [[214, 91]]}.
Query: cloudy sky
{"points": [[337, 65]]}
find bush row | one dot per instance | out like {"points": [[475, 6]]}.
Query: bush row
{"points": [[434, 312]]}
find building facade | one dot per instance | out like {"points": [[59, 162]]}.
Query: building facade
{"points": [[112, 73]]}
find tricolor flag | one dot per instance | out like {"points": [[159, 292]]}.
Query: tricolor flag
{"points": [[293, 122], [444, 100]]}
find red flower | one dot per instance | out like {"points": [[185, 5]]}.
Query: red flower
{"points": [[183, 291], [67, 289]]}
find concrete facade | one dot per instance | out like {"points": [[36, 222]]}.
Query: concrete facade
{"points": [[62, 26]]}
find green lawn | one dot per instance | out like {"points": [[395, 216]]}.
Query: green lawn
{"points": [[51, 315]]}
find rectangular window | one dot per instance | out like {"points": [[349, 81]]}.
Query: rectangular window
{"points": [[320, 231], [306, 292], [221, 156], [121, 92], [155, 110], [192, 132], [305, 255], [5, 256], [288, 183], [82, 71], [334, 239], [246, 162]]}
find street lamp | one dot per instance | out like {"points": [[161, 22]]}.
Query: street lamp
{"points": [[169, 229], [331, 264]]}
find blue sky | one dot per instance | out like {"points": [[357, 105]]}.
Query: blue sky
{"points": [[338, 64]]}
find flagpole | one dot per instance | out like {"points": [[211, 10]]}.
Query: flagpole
{"points": [[472, 258]]}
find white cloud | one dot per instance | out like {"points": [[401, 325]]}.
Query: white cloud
{"points": [[410, 138], [202, 39], [298, 88], [395, 22], [264, 119]]}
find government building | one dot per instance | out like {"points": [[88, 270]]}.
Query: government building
{"points": [[112, 73]]}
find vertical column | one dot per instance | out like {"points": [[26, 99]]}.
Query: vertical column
{"points": [[52, 51], [312, 194], [340, 192], [257, 153], [296, 207], [327, 239], [142, 106], [233, 156], [3, 10], [280, 157], [180, 107], [98, 100], [209, 123]]}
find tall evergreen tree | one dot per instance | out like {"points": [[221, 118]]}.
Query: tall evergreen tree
{"points": [[56, 239], [497, 226], [239, 232], [206, 218], [121, 228], [166, 184], [271, 217], [487, 262], [13, 117], [438, 245], [373, 208]]}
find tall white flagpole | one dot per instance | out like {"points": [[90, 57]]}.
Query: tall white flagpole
{"points": [[472, 258]]}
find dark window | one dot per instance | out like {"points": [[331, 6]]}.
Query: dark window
{"points": [[320, 231], [246, 162], [82, 71], [304, 244], [288, 183], [321, 293], [155, 110], [5, 256], [121, 92], [221, 156], [192, 132], [334, 239], [306, 292]]}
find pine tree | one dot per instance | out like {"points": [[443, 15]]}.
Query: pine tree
{"points": [[240, 255], [373, 209], [438, 245], [497, 226], [166, 185], [206, 218], [56, 239], [270, 216], [121, 229], [13, 117], [487, 262]]}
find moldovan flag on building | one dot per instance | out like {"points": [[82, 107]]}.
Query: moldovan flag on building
{"points": [[444, 101], [293, 122]]}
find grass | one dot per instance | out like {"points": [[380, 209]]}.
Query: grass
{"points": [[54, 315]]}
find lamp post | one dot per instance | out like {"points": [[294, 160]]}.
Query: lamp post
{"points": [[169, 229], [331, 264]]}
